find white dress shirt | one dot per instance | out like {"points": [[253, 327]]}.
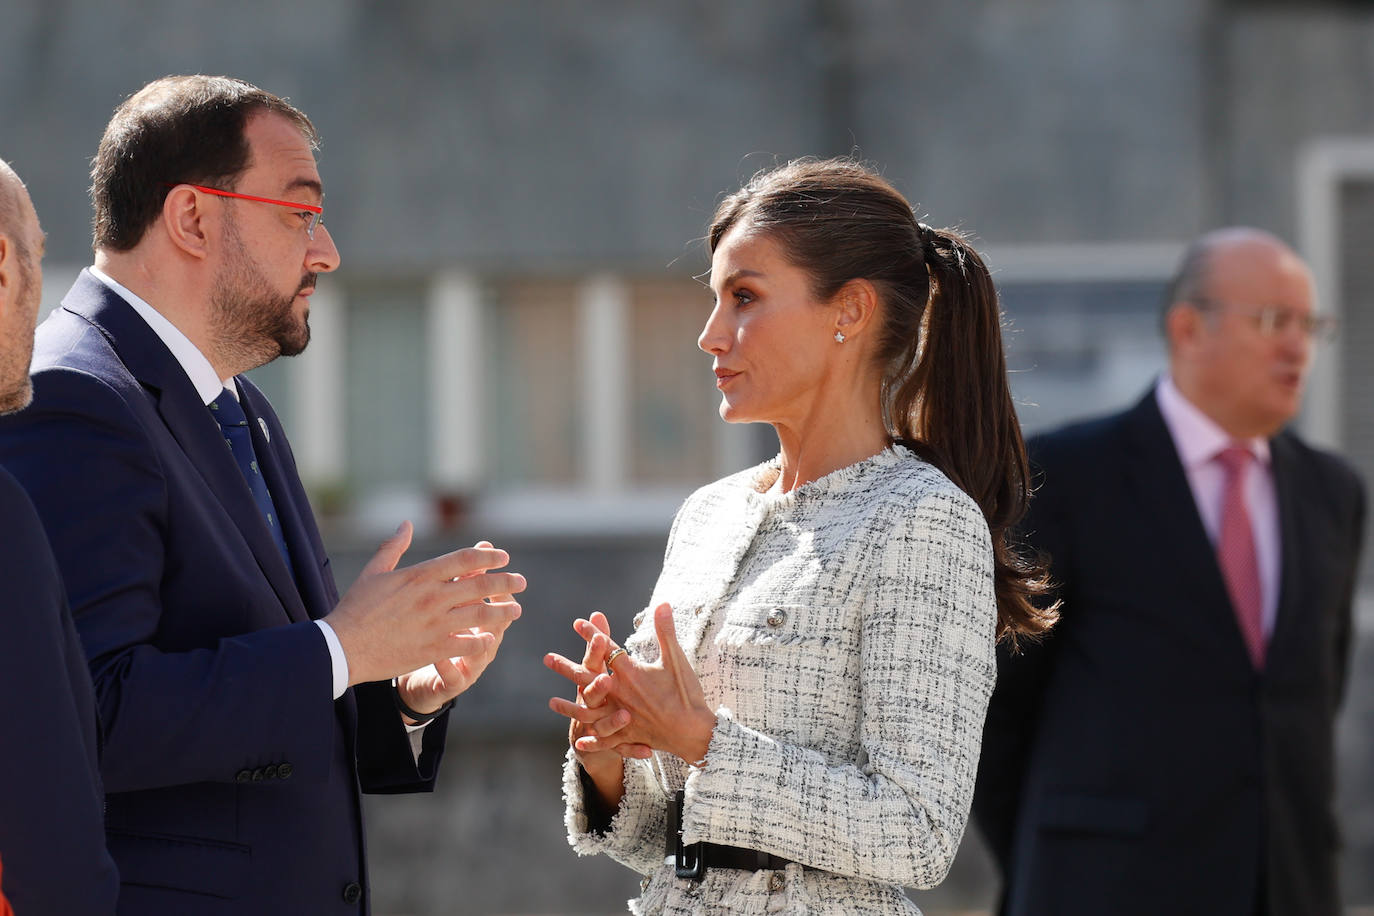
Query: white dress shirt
{"points": [[1199, 440], [209, 385]]}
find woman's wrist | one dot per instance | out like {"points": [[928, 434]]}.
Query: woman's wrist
{"points": [[697, 740], [606, 773]]}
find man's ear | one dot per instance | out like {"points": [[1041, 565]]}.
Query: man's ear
{"points": [[9, 273], [186, 221], [857, 303], [1183, 323]]}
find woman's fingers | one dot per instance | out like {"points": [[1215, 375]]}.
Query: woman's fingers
{"points": [[597, 624], [599, 689], [569, 669], [598, 721], [674, 659], [590, 744]]}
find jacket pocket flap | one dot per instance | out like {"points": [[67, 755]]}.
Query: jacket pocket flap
{"points": [[181, 863]]}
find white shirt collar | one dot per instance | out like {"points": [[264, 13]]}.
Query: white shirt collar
{"points": [[198, 369], [1197, 436]]}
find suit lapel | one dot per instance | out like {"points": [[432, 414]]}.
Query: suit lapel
{"points": [[189, 422], [294, 514], [1293, 540], [1184, 552]]}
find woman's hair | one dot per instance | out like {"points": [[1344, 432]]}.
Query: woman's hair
{"points": [[944, 385]]}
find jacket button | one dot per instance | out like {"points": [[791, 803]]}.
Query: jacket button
{"points": [[352, 893], [269, 772], [285, 770], [777, 618], [257, 775], [243, 776]]}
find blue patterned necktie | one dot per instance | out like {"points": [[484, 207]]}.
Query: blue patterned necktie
{"points": [[234, 424]]}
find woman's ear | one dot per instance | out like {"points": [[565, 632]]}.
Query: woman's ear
{"points": [[185, 221], [857, 303]]}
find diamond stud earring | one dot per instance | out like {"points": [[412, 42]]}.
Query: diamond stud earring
{"points": [[839, 337]]}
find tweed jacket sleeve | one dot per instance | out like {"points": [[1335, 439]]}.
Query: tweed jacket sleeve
{"points": [[845, 634]]}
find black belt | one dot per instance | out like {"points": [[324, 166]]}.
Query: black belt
{"points": [[691, 860]]}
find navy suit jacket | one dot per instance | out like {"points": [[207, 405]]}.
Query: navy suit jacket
{"points": [[52, 833], [1135, 761], [232, 776]]}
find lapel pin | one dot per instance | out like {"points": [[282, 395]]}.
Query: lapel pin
{"points": [[262, 424]]}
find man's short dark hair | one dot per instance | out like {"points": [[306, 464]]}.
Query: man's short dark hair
{"points": [[173, 130], [1189, 282]]}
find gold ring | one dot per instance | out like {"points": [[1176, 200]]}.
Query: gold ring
{"points": [[610, 659]]}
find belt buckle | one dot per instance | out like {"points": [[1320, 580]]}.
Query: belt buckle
{"points": [[689, 860]]}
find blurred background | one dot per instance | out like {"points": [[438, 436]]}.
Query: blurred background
{"points": [[519, 190]]}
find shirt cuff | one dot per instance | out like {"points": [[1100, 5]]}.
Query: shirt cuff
{"points": [[416, 734], [338, 661]]}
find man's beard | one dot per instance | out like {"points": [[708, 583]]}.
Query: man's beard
{"points": [[17, 398], [251, 322]]}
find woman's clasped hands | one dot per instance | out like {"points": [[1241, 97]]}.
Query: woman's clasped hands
{"points": [[631, 708]]}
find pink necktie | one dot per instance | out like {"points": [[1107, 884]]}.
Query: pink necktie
{"points": [[1236, 552]]}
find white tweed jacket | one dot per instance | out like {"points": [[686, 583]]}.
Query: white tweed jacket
{"points": [[844, 632]]}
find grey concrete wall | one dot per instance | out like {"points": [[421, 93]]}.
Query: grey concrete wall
{"points": [[1088, 115], [1355, 345], [537, 133], [1289, 73]]}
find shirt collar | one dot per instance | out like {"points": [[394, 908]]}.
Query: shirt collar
{"points": [[1197, 436], [193, 362]]}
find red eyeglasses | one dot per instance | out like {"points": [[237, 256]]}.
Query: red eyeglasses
{"points": [[310, 213]]}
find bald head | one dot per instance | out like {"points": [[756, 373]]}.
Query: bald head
{"points": [[1238, 325], [21, 288], [11, 213], [1190, 282]]}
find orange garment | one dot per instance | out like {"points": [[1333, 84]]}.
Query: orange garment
{"points": [[5, 908]]}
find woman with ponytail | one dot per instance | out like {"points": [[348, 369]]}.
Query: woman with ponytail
{"points": [[794, 725]]}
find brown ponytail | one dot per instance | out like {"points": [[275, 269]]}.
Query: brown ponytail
{"points": [[957, 403], [945, 387]]}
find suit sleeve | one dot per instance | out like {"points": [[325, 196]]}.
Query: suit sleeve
{"points": [[386, 762], [1357, 499], [256, 698], [52, 831], [1010, 730]]}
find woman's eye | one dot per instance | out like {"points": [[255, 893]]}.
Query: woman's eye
{"points": [[743, 297]]}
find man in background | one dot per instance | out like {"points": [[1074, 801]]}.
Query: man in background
{"points": [[244, 702], [52, 834], [1169, 748]]}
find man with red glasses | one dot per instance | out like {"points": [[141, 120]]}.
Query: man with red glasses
{"points": [[52, 836], [1169, 747], [243, 702]]}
